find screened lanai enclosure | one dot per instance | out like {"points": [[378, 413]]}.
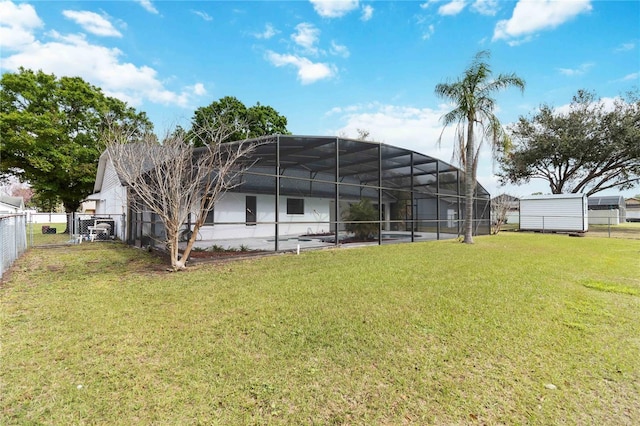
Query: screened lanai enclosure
{"points": [[304, 192]]}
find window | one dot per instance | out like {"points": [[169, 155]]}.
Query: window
{"points": [[250, 212], [209, 219], [295, 206]]}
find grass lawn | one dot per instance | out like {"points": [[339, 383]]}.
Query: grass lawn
{"points": [[623, 230], [35, 237], [515, 329]]}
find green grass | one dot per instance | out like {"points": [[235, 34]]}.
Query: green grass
{"points": [[624, 230], [35, 236], [424, 333]]}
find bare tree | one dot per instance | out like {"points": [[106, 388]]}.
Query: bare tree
{"points": [[174, 179], [363, 134], [500, 207]]}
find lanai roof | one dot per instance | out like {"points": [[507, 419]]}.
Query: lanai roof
{"points": [[363, 161]]}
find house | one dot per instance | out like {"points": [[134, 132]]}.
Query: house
{"points": [[11, 205], [632, 207], [607, 210], [300, 187], [505, 205]]}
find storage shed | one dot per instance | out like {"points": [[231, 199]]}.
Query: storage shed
{"points": [[554, 213]]}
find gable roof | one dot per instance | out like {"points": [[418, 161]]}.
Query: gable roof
{"points": [[17, 202]]}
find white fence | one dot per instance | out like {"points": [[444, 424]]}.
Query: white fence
{"points": [[13, 240], [34, 217]]}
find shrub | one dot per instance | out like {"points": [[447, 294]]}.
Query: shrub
{"points": [[362, 219]]}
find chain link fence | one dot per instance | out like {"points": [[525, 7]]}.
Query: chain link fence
{"points": [[50, 229], [13, 240], [600, 227]]}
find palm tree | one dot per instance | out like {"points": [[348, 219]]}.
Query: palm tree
{"points": [[473, 113]]}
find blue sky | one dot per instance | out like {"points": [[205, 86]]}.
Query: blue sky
{"points": [[330, 67]]}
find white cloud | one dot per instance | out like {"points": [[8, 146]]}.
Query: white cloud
{"points": [[203, 15], [307, 36], [408, 127], [269, 31], [308, 72], [339, 50], [452, 8], [531, 16], [100, 66], [582, 69], [428, 3], [631, 77], [92, 22], [149, 7], [367, 13], [413, 128], [485, 7], [428, 32], [625, 47], [198, 89], [17, 23], [334, 8]]}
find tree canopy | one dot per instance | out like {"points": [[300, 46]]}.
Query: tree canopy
{"points": [[51, 131], [472, 96], [587, 149], [231, 113]]}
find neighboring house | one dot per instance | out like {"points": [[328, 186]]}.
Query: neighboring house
{"points": [[303, 185], [11, 205], [607, 210], [508, 205], [632, 206], [88, 207]]}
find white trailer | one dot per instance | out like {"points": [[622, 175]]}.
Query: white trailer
{"points": [[554, 213]]}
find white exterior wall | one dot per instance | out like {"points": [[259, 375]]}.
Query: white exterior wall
{"points": [[113, 200], [604, 217], [113, 196], [558, 212], [513, 217], [231, 209]]}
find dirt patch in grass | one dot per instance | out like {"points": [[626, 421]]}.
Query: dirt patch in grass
{"points": [[223, 256]]}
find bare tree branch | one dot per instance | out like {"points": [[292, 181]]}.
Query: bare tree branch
{"points": [[173, 179]]}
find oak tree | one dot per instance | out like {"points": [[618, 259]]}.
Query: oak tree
{"points": [[258, 120], [51, 131], [590, 147]]}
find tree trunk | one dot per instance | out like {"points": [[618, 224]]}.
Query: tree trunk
{"points": [[469, 185], [189, 247], [69, 209], [177, 263]]}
